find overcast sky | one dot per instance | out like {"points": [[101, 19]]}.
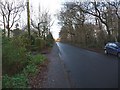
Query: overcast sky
{"points": [[53, 6]]}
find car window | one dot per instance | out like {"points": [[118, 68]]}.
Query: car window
{"points": [[110, 44], [107, 45], [114, 45]]}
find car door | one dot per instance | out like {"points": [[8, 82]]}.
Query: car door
{"points": [[115, 49], [109, 48]]}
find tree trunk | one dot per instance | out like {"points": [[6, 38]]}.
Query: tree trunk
{"points": [[38, 31], [109, 34], [44, 32], [8, 32], [8, 28], [118, 30], [4, 25], [28, 17], [8, 24]]}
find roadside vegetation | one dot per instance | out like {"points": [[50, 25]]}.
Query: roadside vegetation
{"points": [[90, 24], [22, 47], [18, 61]]}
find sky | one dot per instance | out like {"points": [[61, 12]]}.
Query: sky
{"points": [[53, 6]]}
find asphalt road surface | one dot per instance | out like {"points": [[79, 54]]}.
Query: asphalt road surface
{"points": [[87, 69]]}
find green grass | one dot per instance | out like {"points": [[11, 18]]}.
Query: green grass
{"points": [[37, 59], [17, 81], [30, 70], [21, 80]]}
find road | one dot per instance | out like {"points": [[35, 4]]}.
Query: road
{"points": [[87, 69]]}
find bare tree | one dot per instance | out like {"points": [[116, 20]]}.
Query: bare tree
{"points": [[3, 16], [116, 5], [100, 10], [42, 22], [11, 12]]}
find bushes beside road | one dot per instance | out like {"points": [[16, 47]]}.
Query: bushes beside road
{"points": [[18, 62], [21, 79]]}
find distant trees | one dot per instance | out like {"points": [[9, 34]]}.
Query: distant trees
{"points": [[10, 11], [101, 11], [116, 6], [42, 22], [90, 24]]}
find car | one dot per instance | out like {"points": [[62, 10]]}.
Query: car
{"points": [[112, 48]]}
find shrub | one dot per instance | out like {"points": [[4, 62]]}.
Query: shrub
{"points": [[37, 59], [25, 41], [13, 56], [17, 81], [30, 70], [39, 43], [6, 81], [49, 40]]}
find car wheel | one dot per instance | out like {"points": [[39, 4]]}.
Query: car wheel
{"points": [[105, 51], [118, 55]]}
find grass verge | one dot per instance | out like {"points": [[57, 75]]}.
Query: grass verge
{"points": [[20, 80]]}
